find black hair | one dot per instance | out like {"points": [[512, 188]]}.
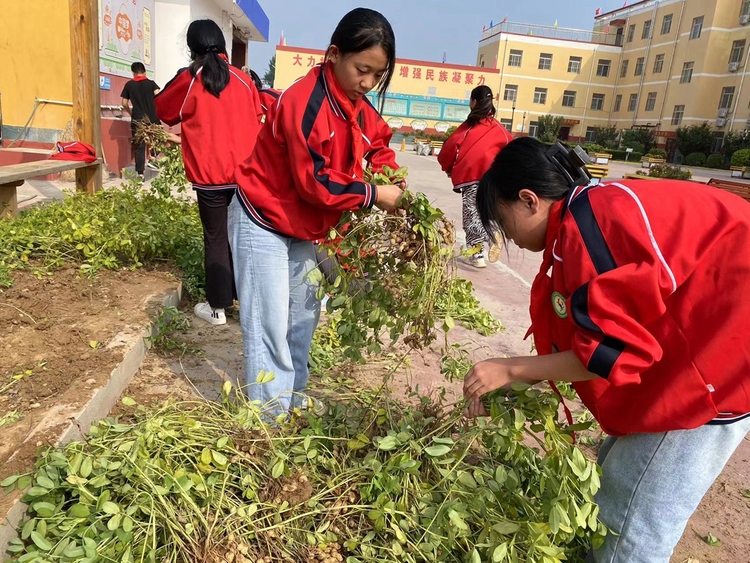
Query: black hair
{"points": [[362, 29], [484, 107], [206, 42], [255, 78], [522, 164], [138, 68]]}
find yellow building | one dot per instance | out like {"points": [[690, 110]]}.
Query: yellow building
{"points": [[657, 64], [422, 94]]}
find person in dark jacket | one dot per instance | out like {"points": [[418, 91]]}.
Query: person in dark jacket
{"points": [[138, 101]]}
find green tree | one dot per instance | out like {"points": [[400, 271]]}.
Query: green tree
{"points": [[606, 137], [695, 138], [638, 139], [270, 74], [735, 141], [549, 128]]}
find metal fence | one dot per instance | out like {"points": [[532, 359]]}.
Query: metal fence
{"points": [[551, 32]]}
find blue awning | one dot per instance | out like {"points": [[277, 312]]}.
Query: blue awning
{"points": [[249, 17]]}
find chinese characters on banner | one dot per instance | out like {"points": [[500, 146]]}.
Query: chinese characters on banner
{"points": [[125, 35], [428, 74]]}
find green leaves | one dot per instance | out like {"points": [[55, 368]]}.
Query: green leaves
{"points": [[712, 540]]}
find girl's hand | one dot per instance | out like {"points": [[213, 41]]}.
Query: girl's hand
{"points": [[475, 409], [402, 185], [489, 375], [388, 197]]}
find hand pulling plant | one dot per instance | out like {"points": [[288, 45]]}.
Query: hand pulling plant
{"points": [[372, 480], [395, 276]]}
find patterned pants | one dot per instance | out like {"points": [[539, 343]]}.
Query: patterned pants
{"points": [[475, 233]]}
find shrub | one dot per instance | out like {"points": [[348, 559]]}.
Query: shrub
{"points": [[741, 158], [695, 159], [638, 138], [622, 154], [549, 128], [636, 146], [450, 130], [606, 137], [658, 153], [716, 160], [736, 140], [593, 147], [669, 172], [695, 138]]}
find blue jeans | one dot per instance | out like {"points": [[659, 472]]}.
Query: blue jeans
{"points": [[279, 310], [652, 484]]}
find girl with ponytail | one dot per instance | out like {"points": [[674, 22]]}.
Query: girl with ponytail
{"points": [[465, 157], [220, 115]]}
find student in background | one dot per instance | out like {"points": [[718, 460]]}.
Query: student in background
{"points": [[305, 172], [465, 157], [220, 115], [138, 101]]}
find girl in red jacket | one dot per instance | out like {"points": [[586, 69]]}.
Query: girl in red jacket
{"points": [[220, 113], [643, 307], [465, 157], [306, 170]]}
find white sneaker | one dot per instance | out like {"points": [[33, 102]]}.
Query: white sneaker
{"points": [[151, 165], [209, 314], [478, 262]]}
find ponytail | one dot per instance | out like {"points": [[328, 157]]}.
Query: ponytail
{"points": [[208, 50], [484, 106]]}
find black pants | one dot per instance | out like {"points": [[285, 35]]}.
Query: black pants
{"points": [[139, 151], [212, 205]]}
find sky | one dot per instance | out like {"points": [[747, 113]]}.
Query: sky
{"points": [[424, 28]]}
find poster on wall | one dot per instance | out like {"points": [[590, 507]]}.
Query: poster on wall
{"points": [[125, 36]]}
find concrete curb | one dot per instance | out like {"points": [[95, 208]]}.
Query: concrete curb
{"points": [[98, 407]]}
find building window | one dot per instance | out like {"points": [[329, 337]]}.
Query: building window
{"points": [[687, 73], [602, 69], [515, 58], [574, 64], [511, 93], [618, 102], [677, 114], [727, 96], [659, 64], [590, 134], [738, 49], [695, 32], [540, 95], [569, 99], [651, 101], [647, 29], [624, 68], [631, 33], [745, 10], [666, 24], [545, 61], [633, 102], [718, 142], [597, 102], [507, 123], [533, 128], [639, 63]]}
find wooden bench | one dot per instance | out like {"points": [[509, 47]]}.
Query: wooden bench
{"points": [[648, 161], [740, 171], [638, 177], [741, 189], [14, 175], [419, 141], [598, 170], [436, 147], [600, 157]]}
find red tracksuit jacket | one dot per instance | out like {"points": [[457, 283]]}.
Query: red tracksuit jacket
{"points": [[217, 133], [470, 150], [268, 97], [649, 288], [306, 169]]}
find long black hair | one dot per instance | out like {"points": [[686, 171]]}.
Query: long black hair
{"points": [[206, 42], [522, 164], [362, 29], [484, 107]]}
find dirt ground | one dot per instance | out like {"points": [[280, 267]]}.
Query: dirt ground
{"points": [[57, 346], [56, 337]]}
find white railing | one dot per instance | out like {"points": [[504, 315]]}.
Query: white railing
{"points": [[550, 32]]}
